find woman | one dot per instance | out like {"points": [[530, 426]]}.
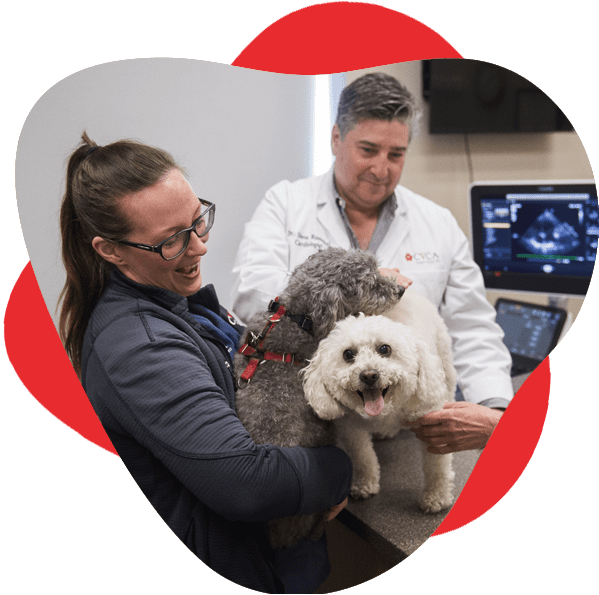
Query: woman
{"points": [[152, 348]]}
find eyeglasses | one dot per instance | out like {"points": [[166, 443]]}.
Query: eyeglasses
{"points": [[176, 244]]}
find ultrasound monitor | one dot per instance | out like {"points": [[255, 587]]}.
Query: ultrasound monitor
{"points": [[535, 236]]}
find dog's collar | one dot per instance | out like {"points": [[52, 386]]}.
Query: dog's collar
{"points": [[257, 341], [254, 344], [304, 322]]}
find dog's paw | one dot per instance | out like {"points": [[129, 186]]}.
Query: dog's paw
{"points": [[432, 502], [362, 490]]}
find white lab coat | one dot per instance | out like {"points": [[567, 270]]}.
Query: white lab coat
{"points": [[294, 220]]}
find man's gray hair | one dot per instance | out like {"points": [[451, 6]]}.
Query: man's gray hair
{"points": [[375, 96]]}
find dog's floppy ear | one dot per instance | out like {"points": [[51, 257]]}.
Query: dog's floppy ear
{"points": [[328, 307], [316, 393], [431, 387]]}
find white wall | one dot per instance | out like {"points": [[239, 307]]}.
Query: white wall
{"points": [[236, 131], [437, 164]]}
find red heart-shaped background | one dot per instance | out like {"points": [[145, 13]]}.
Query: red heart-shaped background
{"points": [[284, 47]]}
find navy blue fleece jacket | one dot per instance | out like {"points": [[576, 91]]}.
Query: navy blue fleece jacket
{"points": [[163, 389]]}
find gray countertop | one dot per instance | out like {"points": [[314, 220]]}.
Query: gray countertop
{"points": [[392, 521]]}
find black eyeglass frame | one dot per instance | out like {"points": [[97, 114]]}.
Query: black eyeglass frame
{"points": [[211, 208]]}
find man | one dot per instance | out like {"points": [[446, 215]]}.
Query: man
{"points": [[359, 203]]}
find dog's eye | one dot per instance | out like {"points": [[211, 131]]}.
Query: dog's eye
{"points": [[349, 355], [385, 350]]}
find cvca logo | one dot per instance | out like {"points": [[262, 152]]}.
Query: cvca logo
{"points": [[422, 257]]}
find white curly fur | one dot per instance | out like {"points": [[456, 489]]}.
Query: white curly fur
{"points": [[416, 372], [326, 287]]}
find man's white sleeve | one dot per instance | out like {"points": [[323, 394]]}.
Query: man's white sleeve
{"points": [[261, 268], [481, 358]]}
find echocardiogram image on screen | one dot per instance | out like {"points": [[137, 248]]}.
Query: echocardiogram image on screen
{"points": [[523, 234], [550, 233], [531, 233]]}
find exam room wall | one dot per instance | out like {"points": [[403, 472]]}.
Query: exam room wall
{"points": [[437, 164], [236, 131]]}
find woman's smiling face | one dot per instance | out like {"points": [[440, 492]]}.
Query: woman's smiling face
{"points": [[154, 214]]}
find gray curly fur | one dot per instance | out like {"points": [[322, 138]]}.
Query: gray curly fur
{"points": [[329, 286]]}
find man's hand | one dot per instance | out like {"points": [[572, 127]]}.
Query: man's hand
{"points": [[458, 426], [336, 510], [394, 274]]}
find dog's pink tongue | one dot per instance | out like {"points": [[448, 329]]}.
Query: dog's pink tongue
{"points": [[373, 402]]}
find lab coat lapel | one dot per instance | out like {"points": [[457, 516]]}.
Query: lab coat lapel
{"points": [[329, 218], [395, 238], [328, 215]]}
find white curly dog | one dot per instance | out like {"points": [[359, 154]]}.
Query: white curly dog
{"points": [[373, 372]]}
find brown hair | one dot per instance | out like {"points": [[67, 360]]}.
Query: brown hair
{"points": [[97, 178]]}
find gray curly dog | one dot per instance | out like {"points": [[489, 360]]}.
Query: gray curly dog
{"points": [[279, 342]]}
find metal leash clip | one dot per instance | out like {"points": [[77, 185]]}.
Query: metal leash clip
{"points": [[252, 340]]}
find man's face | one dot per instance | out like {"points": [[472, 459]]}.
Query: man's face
{"points": [[369, 161]]}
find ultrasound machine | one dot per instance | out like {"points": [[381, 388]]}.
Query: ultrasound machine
{"points": [[540, 238]]}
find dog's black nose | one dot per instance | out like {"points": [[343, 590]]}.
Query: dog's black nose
{"points": [[369, 377]]}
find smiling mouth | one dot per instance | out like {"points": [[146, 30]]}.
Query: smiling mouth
{"points": [[376, 182], [373, 399], [189, 271]]}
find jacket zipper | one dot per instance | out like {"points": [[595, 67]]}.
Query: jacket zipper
{"points": [[230, 369]]}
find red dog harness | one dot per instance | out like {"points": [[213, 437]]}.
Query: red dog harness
{"points": [[254, 344]]}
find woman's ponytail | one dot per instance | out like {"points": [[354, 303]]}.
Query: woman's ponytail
{"points": [[97, 178]]}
